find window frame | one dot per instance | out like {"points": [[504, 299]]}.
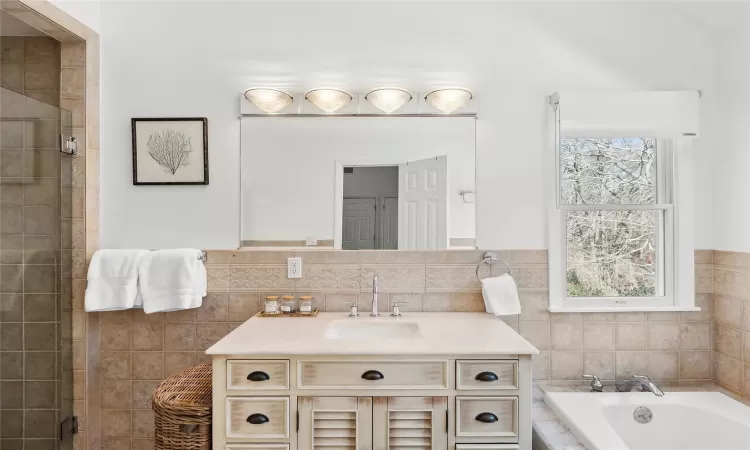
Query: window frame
{"points": [[674, 197]]}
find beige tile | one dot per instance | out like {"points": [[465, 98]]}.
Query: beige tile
{"points": [[327, 278], [630, 317], [39, 77], [394, 278], [566, 336], [599, 336], [536, 332], [116, 423], [566, 365], [115, 365], [534, 305], [391, 257], [598, 317], [437, 302], [11, 220], [179, 336], [729, 281], [566, 317], [11, 134], [531, 277], [124, 316], [695, 365], [72, 54], [177, 361], [40, 336], [115, 394], [663, 336], [705, 303], [143, 423], [78, 109], [628, 364], [663, 365], [242, 306], [731, 259], [249, 256], [11, 163], [746, 381], [41, 220], [704, 278], [148, 365], [453, 257], [631, 336], [42, 49], [468, 302], [142, 444], [142, 393], [746, 316], [728, 341], [218, 277], [116, 336], [540, 366], [147, 336], [704, 256], [728, 311], [601, 364], [406, 302], [260, 278], [728, 371], [182, 316], [695, 336], [746, 346], [214, 308], [12, 48], [207, 334], [662, 316], [341, 302], [73, 82], [11, 336], [446, 278]]}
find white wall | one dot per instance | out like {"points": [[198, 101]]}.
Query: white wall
{"points": [[193, 58], [288, 167], [731, 205]]}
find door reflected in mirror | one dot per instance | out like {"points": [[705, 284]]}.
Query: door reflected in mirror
{"points": [[358, 183]]}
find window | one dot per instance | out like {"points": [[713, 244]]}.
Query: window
{"points": [[613, 236]]}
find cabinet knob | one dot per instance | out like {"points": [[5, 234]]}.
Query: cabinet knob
{"points": [[372, 375], [486, 417], [257, 419], [486, 376], [258, 376]]}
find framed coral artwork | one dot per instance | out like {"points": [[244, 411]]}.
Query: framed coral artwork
{"points": [[170, 150]]}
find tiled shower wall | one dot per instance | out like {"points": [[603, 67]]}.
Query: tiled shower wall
{"points": [[732, 320], [138, 350]]}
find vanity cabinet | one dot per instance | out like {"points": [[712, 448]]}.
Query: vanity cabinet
{"points": [[383, 402]]}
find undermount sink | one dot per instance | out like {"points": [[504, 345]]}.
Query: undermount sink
{"points": [[356, 330]]}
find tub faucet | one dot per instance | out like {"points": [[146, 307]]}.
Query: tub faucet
{"points": [[643, 382], [596, 383], [375, 289]]}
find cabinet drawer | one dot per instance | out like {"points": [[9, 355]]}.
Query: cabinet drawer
{"points": [[254, 375], [486, 416], [257, 447], [477, 374], [257, 418], [373, 374], [487, 447]]}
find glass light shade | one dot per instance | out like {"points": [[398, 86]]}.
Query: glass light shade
{"points": [[269, 100], [329, 100], [448, 100], [387, 99]]}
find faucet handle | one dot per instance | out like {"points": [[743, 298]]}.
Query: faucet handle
{"points": [[396, 312], [641, 377], [596, 383], [354, 309]]}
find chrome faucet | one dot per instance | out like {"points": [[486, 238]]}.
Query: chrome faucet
{"points": [[375, 289], [596, 383], [641, 381]]}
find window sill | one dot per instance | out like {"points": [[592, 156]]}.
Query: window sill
{"points": [[610, 309]]}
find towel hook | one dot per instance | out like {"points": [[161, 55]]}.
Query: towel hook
{"points": [[489, 258]]}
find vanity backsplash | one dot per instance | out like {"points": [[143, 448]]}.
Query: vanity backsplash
{"points": [[138, 351]]}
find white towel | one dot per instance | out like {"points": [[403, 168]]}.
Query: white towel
{"points": [[172, 280], [113, 280], [501, 295]]}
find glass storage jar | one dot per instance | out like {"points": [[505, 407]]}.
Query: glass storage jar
{"points": [[305, 304], [271, 305], [287, 304]]}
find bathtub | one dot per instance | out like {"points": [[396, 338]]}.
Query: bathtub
{"points": [[681, 420]]}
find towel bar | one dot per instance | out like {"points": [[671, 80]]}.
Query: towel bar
{"points": [[489, 258]]}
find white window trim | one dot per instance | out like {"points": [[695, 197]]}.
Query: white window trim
{"points": [[679, 250]]}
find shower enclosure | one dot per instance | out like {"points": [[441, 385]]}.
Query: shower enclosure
{"points": [[36, 351]]}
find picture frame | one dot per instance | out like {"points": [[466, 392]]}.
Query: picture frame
{"points": [[166, 151]]}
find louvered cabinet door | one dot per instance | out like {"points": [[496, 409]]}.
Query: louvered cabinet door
{"points": [[335, 423], [410, 423]]}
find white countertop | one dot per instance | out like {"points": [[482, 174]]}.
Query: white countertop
{"points": [[441, 334]]}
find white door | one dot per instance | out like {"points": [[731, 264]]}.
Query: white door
{"points": [[423, 204], [359, 223], [389, 224]]}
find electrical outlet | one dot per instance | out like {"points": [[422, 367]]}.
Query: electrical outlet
{"points": [[294, 267]]}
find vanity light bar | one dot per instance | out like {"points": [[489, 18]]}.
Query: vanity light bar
{"points": [[384, 101]]}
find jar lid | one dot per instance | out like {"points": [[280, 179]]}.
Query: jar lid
{"points": [[306, 297], [288, 297], [272, 297]]}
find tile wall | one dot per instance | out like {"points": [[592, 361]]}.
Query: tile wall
{"points": [[138, 350], [731, 281]]}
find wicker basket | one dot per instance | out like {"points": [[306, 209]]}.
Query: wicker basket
{"points": [[182, 410]]}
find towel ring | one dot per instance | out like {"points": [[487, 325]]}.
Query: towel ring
{"points": [[489, 258]]}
